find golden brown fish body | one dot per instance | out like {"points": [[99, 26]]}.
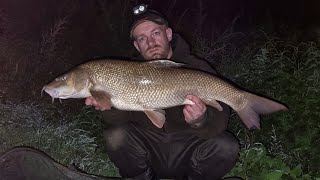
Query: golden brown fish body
{"points": [[155, 85]]}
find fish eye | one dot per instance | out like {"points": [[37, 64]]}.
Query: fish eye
{"points": [[63, 78]]}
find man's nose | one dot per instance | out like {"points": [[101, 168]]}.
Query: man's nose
{"points": [[151, 41]]}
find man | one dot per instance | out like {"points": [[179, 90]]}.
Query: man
{"points": [[193, 143]]}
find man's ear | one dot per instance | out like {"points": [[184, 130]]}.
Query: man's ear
{"points": [[136, 45], [169, 33]]}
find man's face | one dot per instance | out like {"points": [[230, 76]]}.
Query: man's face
{"points": [[153, 40]]}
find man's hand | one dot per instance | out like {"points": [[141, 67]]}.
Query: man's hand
{"points": [[193, 112], [90, 101]]}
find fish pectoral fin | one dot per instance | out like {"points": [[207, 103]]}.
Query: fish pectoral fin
{"points": [[157, 117], [165, 63], [213, 103], [102, 98]]}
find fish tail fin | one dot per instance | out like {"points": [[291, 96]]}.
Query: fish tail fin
{"points": [[257, 105]]}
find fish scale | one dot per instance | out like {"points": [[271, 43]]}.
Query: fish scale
{"points": [[164, 89]]}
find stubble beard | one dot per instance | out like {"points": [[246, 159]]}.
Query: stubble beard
{"points": [[161, 53]]}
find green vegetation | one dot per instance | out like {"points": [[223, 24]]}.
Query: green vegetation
{"points": [[290, 140], [69, 139]]}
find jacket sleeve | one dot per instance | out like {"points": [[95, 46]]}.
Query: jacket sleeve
{"points": [[213, 121]]}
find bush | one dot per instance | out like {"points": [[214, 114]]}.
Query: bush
{"points": [[254, 163], [290, 73]]}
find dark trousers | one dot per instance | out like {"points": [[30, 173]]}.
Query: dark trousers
{"points": [[148, 154]]}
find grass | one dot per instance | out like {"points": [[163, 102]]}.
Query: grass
{"points": [[68, 139]]}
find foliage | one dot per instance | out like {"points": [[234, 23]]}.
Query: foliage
{"points": [[289, 73], [69, 139], [254, 163]]}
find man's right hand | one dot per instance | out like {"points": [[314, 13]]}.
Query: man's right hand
{"points": [[90, 101]]}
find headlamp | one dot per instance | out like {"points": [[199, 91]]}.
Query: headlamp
{"points": [[139, 9], [142, 13]]}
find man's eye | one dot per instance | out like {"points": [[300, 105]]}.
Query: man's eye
{"points": [[156, 33], [141, 39]]}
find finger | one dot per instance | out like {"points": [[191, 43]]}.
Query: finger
{"points": [[196, 110], [102, 108], [187, 115], [198, 102], [88, 101], [97, 106], [191, 109], [193, 113]]}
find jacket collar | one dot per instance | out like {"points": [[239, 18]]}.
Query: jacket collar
{"points": [[180, 47]]}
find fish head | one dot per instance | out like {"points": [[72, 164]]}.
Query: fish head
{"points": [[74, 84]]}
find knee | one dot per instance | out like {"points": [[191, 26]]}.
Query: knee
{"points": [[215, 157], [115, 137], [225, 146]]}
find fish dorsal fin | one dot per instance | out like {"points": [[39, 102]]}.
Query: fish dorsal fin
{"points": [[157, 117], [102, 98], [165, 63]]}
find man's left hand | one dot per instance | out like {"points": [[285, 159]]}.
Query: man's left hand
{"points": [[192, 113]]}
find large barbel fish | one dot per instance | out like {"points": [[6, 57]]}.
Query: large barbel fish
{"points": [[152, 86]]}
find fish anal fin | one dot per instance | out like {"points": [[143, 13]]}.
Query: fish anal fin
{"points": [[157, 117], [102, 98], [250, 118], [213, 103]]}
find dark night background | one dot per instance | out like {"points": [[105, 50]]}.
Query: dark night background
{"points": [[87, 22]]}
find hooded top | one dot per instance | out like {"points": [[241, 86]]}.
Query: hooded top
{"points": [[212, 122]]}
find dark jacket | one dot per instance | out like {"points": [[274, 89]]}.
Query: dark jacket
{"points": [[213, 122]]}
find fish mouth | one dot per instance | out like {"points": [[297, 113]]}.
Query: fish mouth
{"points": [[55, 94]]}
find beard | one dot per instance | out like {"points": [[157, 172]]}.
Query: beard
{"points": [[158, 56], [157, 52]]}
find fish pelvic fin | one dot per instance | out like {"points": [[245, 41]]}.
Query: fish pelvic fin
{"points": [[213, 103], [255, 106], [188, 101], [210, 102], [102, 98], [157, 117]]}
